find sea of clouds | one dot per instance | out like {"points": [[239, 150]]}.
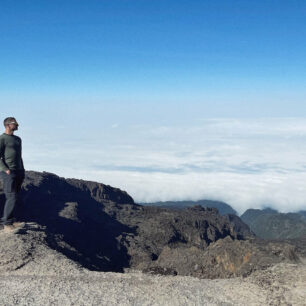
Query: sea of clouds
{"points": [[244, 162]]}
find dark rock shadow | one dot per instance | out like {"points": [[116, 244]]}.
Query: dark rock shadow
{"points": [[76, 224], [102, 228]]}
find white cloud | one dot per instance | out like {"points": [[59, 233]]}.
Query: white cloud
{"points": [[247, 163]]}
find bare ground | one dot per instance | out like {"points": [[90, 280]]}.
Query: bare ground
{"points": [[37, 275], [283, 284]]}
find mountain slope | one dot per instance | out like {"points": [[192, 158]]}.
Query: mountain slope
{"points": [[270, 224]]}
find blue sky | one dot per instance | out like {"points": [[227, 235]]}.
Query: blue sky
{"points": [[90, 74], [201, 52]]}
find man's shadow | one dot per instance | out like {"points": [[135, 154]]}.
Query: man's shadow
{"points": [[76, 224]]}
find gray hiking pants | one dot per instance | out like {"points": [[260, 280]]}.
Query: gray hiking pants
{"points": [[11, 187]]}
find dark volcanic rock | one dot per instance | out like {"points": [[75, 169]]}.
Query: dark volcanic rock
{"points": [[101, 192], [239, 226], [225, 258], [160, 227], [222, 207], [300, 244], [101, 228], [72, 212]]}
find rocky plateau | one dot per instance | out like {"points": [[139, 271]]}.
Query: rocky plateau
{"points": [[74, 227]]}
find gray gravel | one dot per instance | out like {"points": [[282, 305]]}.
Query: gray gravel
{"points": [[34, 274], [99, 288]]}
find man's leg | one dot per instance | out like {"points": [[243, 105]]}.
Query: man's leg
{"points": [[19, 181], [10, 191], [9, 208]]}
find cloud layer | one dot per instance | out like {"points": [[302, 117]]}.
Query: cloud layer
{"points": [[246, 163]]}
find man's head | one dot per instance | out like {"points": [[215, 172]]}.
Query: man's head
{"points": [[10, 124]]}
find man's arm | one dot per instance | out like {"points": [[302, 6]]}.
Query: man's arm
{"points": [[21, 154], [3, 166]]}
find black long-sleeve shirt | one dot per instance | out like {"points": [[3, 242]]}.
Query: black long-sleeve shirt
{"points": [[10, 152]]}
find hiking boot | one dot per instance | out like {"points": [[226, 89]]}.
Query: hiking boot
{"points": [[18, 224], [9, 228]]}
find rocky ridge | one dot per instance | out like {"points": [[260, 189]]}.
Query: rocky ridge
{"points": [[222, 207], [96, 227]]}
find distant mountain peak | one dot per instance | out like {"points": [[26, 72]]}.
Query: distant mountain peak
{"points": [[270, 224]]}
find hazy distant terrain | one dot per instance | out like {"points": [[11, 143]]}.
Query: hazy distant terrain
{"points": [[303, 213], [270, 224]]}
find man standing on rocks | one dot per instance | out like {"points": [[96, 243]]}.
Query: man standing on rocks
{"points": [[11, 172]]}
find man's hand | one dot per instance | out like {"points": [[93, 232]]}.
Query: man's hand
{"points": [[8, 172]]}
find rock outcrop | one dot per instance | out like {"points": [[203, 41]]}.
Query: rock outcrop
{"points": [[222, 207], [100, 228], [225, 258]]}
